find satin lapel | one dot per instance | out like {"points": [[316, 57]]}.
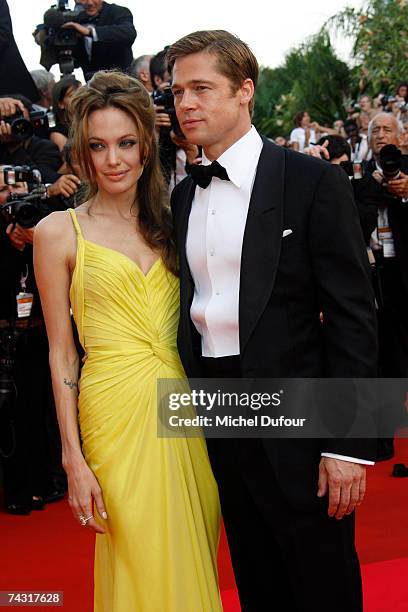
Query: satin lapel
{"points": [[262, 239]]}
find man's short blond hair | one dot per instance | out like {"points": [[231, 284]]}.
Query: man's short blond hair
{"points": [[235, 60]]}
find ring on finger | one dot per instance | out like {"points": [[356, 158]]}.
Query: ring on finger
{"points": [[85, 520]]}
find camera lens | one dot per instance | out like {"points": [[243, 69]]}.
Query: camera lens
{"points": [[22, 129], [27, 214]]}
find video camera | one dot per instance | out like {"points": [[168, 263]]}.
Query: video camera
{"points": [[26, 209], [23, 129], [61, 42], [165, 98]]}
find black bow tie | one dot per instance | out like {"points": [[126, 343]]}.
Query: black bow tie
{"points": [[202, 175]]}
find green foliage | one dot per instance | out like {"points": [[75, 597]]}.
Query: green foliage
{"points": [[379, 33], [312, 78]]}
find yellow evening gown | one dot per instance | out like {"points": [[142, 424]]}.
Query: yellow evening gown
{"points": [[159, 554]]}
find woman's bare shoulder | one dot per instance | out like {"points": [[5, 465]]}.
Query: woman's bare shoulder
{"points": [[54, 226], [55, 236]]}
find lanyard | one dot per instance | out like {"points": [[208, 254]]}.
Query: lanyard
{"points": [[23, 279]]}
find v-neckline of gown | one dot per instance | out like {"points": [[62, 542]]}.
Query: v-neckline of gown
{"points": [[101, 246]]}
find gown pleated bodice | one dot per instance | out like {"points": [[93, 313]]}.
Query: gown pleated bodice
{"points": [[159, 554]]}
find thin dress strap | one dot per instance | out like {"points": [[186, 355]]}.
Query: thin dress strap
{"points": [[75, 222], [76, 292]]}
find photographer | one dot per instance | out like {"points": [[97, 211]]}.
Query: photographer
{"points": [[176, 154], [382, 199], [101, 38], [29, 441], [61, 97], [18, 143], [45, 82], [140, 69]]}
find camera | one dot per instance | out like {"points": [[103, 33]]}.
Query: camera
{"points": [[353, 106], [26, 209], [403, 106], [20, 174], [390, 162], [23, 129], [62, 41], [386, 100], [165, 98]]}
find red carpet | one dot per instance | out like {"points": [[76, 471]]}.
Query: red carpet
{"points": [[49, 551]]}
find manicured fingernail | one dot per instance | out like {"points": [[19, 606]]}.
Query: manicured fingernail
{"points": [[104, 515]]}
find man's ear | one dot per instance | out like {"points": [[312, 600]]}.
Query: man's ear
{"points": [[247, 91]]}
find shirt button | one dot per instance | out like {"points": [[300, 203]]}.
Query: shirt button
{"points": [[217, 293], [212, 252], [213, 212]]}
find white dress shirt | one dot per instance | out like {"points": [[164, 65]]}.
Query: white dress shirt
{"points": [[214, 247]]}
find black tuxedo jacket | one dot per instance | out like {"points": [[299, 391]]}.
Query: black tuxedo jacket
{"points": [[116, 34], [285, 283]]}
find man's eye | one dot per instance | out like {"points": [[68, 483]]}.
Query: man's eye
{"points": [[177, 93], [201, 87]]}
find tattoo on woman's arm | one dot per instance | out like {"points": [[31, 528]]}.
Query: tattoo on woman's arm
{"points": [[70, 383]]}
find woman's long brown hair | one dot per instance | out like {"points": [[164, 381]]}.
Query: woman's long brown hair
{"points": [[118, 90]]}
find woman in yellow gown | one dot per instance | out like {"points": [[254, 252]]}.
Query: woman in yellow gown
{"points": [[156, 508]]}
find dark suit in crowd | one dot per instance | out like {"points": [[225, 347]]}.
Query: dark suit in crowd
{"points": [[302, 560], [14, 75], [116, 35], [30, 446], [391, 273]]}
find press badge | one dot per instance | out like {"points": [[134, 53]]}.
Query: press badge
{"points": [[24, 299], [24, 304]]}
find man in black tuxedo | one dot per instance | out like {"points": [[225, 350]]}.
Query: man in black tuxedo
{"points": [[108, 35], [268, 239]]}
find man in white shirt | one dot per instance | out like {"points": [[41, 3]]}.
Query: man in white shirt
{"points": [[267, 240]]}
